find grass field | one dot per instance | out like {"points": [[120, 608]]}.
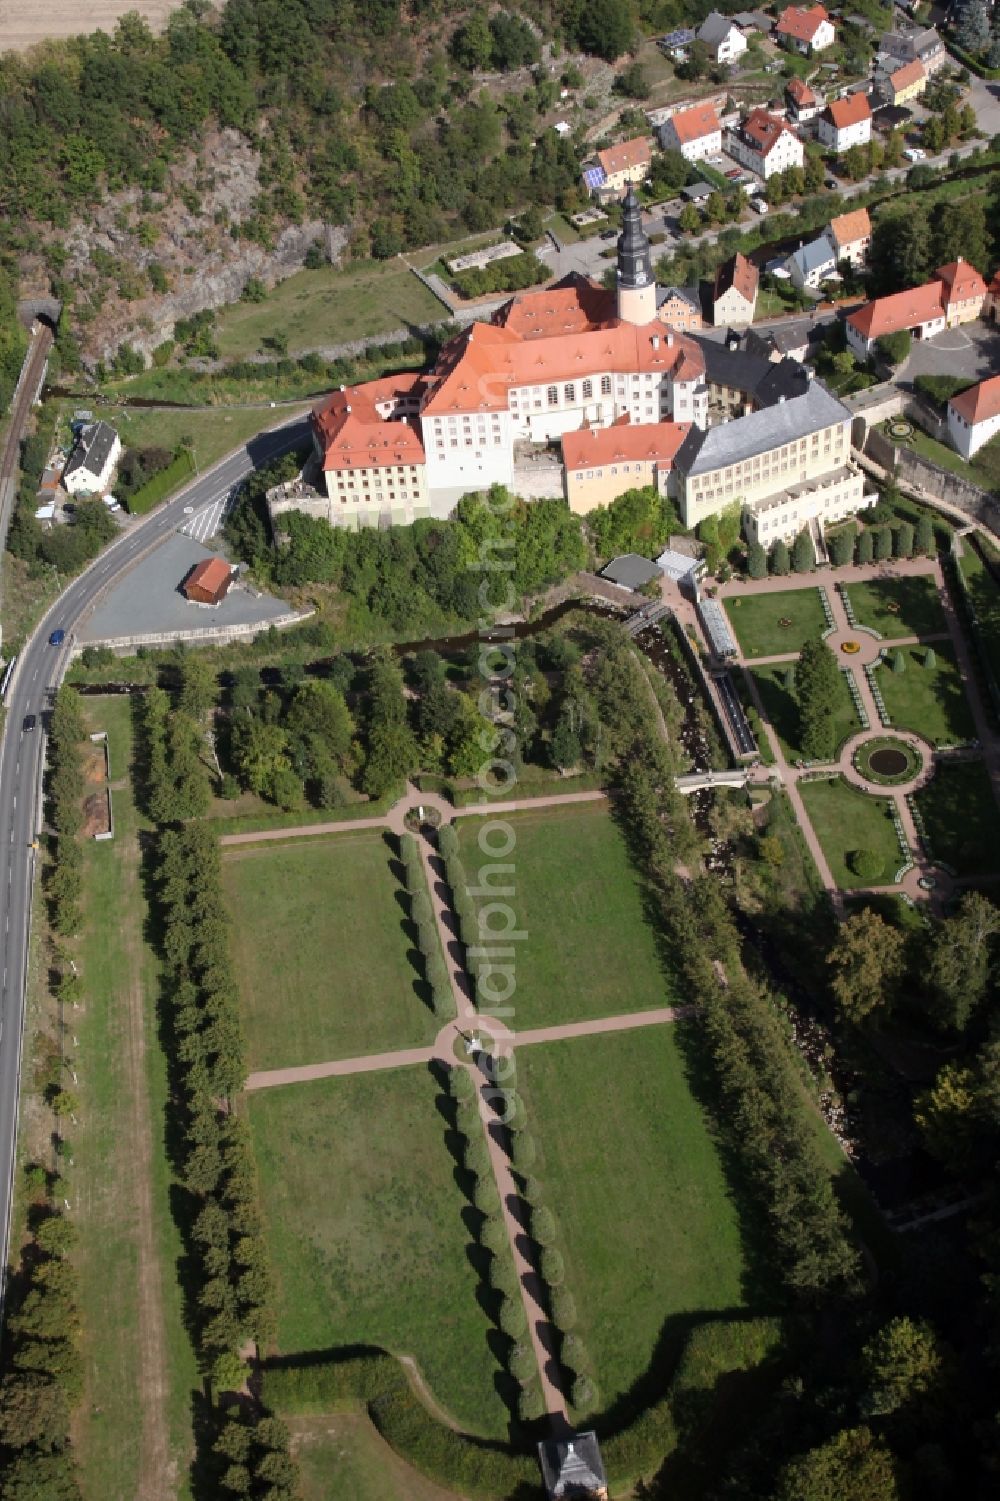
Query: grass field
{"points": [[847, 819], [368, 1235], [646, 1223], [589, 949], [318, 309], [782, 710], [214, 431], [755, 619], [961, 817], [322, 950], [106, 1180], [929, 700], [984, 597], [342, 1454], [899, 606]]}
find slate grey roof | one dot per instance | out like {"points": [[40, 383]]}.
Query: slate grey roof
{"points": [[573, 1467], [687, 294], [760, 432], [784, 380], [714, 620], [731, 367], [782, 341], [814, 254], [715, 28], [695, 191], [93, 446], [754, 18], [631, 571]]}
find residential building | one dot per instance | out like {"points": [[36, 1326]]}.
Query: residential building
{"points": [[695, 132], [788, 465], [778, 344], [679, 308], [754, 20], [95, 454], [601, 463], [370, 452], [734, 296], [741, 381], [801, 102], [974, 416], [813, 263], [850, 236], [723, 38], [923, 46], [765, 144], [805, 30], [846, 123], [955, 295], [208, 582], [898, 85], [617, 166]]}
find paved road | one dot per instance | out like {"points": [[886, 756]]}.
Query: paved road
{"points": [[41, 668]]}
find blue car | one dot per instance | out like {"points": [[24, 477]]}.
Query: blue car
{"points": [[57, 638]]}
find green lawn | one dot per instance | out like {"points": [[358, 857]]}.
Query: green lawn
{"points": [[215, 431], [984, 470], [342, 1454], [781, 707], [645, 1218], [322, 948], [755, 621], [589, 950], [368, 1235], [316, 309], [899, 606], [961, 818], [984, 596], [120, 973], [929, 700], [847, 819]]}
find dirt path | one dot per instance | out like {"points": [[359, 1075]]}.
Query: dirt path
{"points": [[157, 1473]]}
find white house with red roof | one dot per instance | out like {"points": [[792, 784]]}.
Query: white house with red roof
{"points": [[615, 167], [765, 144], [695, 132], [850, 236], [601, 463], [845, 123], [801, 102], [805, 29], [955, 295], [974, 416]]}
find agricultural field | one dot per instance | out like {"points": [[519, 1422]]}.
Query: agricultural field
{"points": [[928, 699], [322, 949], [899, 606], [961, 817], [24, 24], [368, 1233], [590, 949], [781, 707], [847, 819], [766, 625], [627, 1160]]}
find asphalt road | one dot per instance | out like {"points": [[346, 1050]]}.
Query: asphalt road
{"points": [[39, 670]]}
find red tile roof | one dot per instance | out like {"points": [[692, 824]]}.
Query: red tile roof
{"points": [[962, 281], [979, 403], [740, 273], [908, 74], [208, 580], [851, 111], [800, 23], [691, 124], [800, 93], [957, 282], [570, 306], [354, 436], [849, 228], [656, 442], [760, 130], [627, 155]]}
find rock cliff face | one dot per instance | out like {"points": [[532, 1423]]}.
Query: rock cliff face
{"points": [[190, 234]]}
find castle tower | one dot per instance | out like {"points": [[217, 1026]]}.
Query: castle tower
{"points": [[636, 287]]}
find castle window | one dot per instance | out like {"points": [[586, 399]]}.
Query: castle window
{"points": [[569, 393], [588, 389], [552, 396], [605, 385]]}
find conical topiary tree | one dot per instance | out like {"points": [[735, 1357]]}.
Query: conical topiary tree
{"points": [[930, 657], [543, 1225], [493, 1235], [552, 1267], [447, 841], [512, 1318], [502, 1276], [461, 1085], [563, 1307], [420, 909], [523, 1151], [584, 1394], [898, 662], [408, 848], [533, 1192], [574, 1355], [529, 1403], [485, 1195], [522, 1364]]}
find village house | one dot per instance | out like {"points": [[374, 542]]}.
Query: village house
{"points": [[695, 132], [617, 166], [723, 38], [765, 144], [801, 102], [734, 296], [850, 236], [898, 85], [813, 263], [974, 416], [92, 462], [923, 46], [679, 308], [805, 30], [600, 463], [955, 295], [778, 344], [846, 123]]}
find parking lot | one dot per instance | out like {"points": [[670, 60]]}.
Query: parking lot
{"points": [[972, 352]]}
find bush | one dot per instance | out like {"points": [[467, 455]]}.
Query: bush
{"points": [[461, 1085], [543, 1226], [895, 348], [522, 1364], [530, 1406], [442, 1001], [866, 546], [583, 1394], [866, 865], [447, 842], [512, 1318], [780, 561], [485, 1195], [420, 912], [522, 1151], [408, 848], [502, 1275], [476, 1155], [930, 657], [575, 1356], [552, 1267], [898, 662], [427, 939]]}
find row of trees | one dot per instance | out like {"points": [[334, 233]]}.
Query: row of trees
{"points": [[64, 874], [422, 918]]}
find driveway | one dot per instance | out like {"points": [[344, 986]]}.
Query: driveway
{"points": [[972, 352]]}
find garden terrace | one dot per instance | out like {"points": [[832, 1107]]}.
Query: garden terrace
{"points": [[907, 606], [960, 817], [929, 699], [782, 709], [847, 820], [766, 625]]}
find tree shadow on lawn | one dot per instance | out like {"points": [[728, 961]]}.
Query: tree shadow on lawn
{"points": [[947, 689]]}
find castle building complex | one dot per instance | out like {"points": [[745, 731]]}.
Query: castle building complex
{"points": [[596, 390]]}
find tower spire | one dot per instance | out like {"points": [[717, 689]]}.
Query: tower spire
{"points": [[636, 287]]}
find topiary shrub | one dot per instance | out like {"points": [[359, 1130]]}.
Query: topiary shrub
{"points": [[533, 1192], [427, 938], [543, 1226], [523, 1151], [420, 909], [408, 848], [552, 1267], [512, 1318], [447, 842], [435, 970], [510, 1109], [493, 1235], [502, 1276], [530, 1406], [461, 1085], [442, 1001], [584, 1394], [563, 1309], [485, 1195], [866, 865], [415, 878], [522, 1364], [476, 1155], [575, 1356], [930, 657], [898, 662]]}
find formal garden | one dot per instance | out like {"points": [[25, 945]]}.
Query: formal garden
{"points": [[908, 606], [923, 691], [958, 816], [326, 956], [856, 831], [766, 624], [888, 761], [776, 686]]}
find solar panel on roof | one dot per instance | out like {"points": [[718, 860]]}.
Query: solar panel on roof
{"points": [[595, 177]]}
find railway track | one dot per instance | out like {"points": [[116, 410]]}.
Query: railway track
{"points": [[24, 400]]}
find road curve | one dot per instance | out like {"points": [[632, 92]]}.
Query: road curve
{"points": [[40, 668]]}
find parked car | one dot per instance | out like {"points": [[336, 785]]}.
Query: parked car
{"points": [[832, 184], [608, 234], [29, 722], [915, 154], [57, 638], [759, 205]]}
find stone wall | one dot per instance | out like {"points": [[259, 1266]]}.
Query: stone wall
{"points": [[931, 483]]}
